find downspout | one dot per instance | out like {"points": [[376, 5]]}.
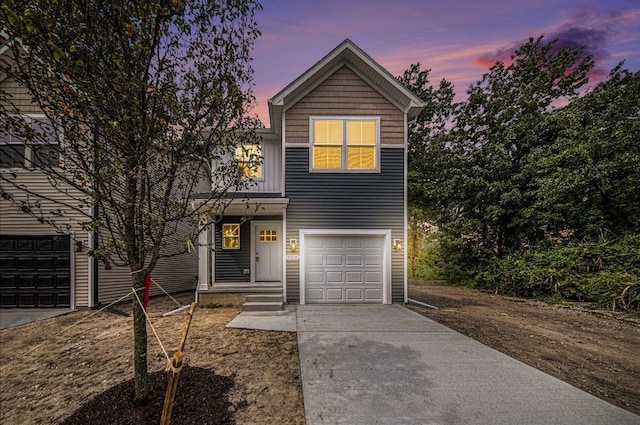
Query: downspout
{"points": [[95, 233], [94, 246]]}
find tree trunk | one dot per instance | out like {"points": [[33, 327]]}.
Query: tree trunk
{"points": [[140, 343]]}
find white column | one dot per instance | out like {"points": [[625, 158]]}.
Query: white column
{"points": [[203, 260]]}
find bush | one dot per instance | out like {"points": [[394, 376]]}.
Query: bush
{"points": [[604, 272]]}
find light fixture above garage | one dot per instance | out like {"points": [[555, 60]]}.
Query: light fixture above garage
{"points": [[397, 245], [293, 245]]}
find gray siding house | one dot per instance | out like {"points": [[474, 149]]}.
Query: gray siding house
{"points": [[326, 220]]}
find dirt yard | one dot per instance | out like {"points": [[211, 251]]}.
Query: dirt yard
{"points": [[595, 350], [57, 372], [46, 375]]}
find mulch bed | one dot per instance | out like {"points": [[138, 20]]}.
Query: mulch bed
{"points": [[202, 398]]}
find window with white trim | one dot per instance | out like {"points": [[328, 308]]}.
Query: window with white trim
{"points": [[32, 144], [231, 236], [249, 159], [345, 144]]}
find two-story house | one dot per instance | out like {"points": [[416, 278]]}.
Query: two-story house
{"points": [[40, 267], [326, 220]]}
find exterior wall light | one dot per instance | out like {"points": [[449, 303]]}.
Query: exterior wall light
{"points": [[397, 245], [293, 245], [78, 246]]}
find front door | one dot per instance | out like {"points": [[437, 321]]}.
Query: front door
{"points": [[268, 251]]}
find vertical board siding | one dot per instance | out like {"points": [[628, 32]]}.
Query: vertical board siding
{"points": [[345, 201], [342, 94], [271, 180]]}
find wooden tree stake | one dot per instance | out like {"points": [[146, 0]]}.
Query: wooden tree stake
{"points": [[174, 376]]}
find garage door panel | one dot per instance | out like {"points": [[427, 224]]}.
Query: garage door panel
{"points": [[372, 294], [335, 278], [354, 277], [333, 243], [334, 294], [373, 260], [316, 260], [314, 278], [344, 268], [353, 295], [354, 242], [374, 243], [373, 278]]}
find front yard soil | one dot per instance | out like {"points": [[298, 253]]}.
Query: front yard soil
{"points": [[233, 375], [595, 350], [56, 371]]}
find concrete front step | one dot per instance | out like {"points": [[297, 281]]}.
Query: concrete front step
{"points": [[264, 298], [262, 306]]}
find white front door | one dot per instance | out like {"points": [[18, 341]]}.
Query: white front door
{"points": [[268, 251]]}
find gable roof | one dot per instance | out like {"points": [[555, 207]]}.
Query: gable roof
{"points": [[347, 54]]}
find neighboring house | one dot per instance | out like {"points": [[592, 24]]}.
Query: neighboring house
{"points": [[326, 220], [40, 267]]}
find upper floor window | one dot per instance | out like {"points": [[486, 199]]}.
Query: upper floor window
{"points": [[249, 159], [349, 144], [34, 146]]}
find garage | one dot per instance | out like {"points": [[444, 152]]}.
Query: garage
{"points": [[35, 271], [343, 268]]}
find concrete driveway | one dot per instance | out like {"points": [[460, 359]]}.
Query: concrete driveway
{"points": [[385, 364], [10, 317]]}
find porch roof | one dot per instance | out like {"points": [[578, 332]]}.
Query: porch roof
{"points": [[245, 206]]}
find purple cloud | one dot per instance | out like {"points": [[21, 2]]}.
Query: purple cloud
{"points": [[593, 32]]}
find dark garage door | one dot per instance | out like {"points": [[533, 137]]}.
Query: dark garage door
{"points": [[35, 271]]}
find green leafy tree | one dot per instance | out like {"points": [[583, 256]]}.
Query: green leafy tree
{"points": [[588, 180], [142, 95], [495, 133]]}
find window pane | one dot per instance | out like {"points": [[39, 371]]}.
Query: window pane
{"points": [[231, 236], [12, 156], [327, 157], [361, 132], [43, 130], [327, 132], [249, 159], [362, 158], [44, 156]]}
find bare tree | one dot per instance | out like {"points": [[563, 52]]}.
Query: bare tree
{"points": [[138, 97]]}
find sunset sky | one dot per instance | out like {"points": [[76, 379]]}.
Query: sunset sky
{"points": [[457, 39]]}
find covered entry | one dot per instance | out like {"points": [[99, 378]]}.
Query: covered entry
{"points": [[35, 271], [345, 267]]}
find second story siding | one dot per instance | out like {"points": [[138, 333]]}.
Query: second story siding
{"points": [[344, 93]]}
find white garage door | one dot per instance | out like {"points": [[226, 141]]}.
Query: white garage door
{"points": [[344, 269]]}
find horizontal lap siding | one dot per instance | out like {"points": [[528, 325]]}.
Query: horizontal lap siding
{"points": [[13, 220], [344, 94], [345, 201], [173, 274], [20, 97], [230, 263]]}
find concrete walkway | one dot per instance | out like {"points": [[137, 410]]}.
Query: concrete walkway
{"points": [[385, 364]]}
